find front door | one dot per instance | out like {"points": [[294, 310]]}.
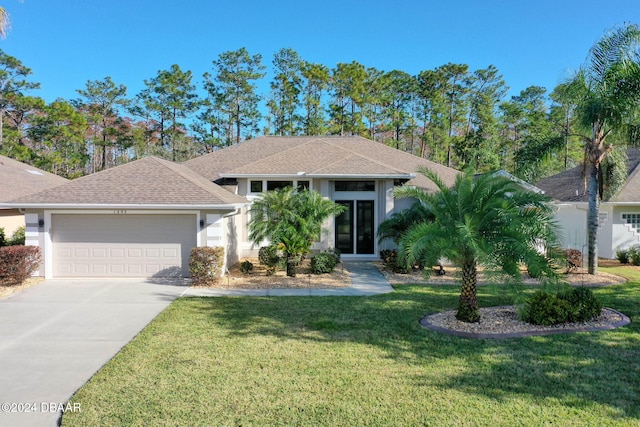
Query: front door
{"points": [[355, 229]]}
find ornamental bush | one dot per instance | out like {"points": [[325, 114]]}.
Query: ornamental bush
{"points": [[574, 259], [324, 262], [574, 305], [634, 255], [269, 257], [246, 266], [205, 264], [622, 255], [18, 263]]}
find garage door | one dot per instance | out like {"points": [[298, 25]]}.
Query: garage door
{"points": [[127, 245]]}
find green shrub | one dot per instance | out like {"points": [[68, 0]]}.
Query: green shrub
{"points": [[269, 256], [3, 239], [634, 254], [18, 238], [18, 263], [324, 262], [622, 255], [205, 264], [584, 304], [573, 305], [246, 266], [545, 309]]}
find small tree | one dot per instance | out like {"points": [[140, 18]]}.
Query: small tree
{"points": [[291, 220], [482, 220]]}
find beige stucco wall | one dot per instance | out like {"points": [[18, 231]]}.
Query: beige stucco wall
{"points": [[10, 221]]}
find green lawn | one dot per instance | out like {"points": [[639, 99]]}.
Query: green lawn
{"points": [[348, 361]]}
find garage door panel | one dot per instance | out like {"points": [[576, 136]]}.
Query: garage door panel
{"points": [[122, 245]]}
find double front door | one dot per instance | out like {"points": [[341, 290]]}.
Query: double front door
{"points": [[355, 228]]}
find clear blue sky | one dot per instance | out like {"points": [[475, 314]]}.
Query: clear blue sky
{"points": [[531, 42]]}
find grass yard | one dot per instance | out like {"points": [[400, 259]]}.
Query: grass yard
{"points": [[348, 361]]}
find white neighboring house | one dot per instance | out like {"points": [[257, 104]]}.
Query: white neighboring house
{"points": [[19, 179], [619, 217], [141, 219]]}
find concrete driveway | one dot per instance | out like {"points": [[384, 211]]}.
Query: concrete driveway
{"points": [[56, 335]]}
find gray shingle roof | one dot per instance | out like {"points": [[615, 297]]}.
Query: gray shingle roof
{"points": [[20, 179], [317, 156], [570, 185], [148, 181]]}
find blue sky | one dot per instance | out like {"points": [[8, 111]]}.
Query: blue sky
{"points": [[534, 42]]}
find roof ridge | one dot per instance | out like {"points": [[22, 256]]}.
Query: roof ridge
{"points": [[367, 157]]}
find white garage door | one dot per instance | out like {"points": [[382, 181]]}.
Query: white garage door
{"points": [[127, 245]]}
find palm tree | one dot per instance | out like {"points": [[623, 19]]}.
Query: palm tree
{"points": [[291, 220], [480, 220], [606, 90], [5, 22]]}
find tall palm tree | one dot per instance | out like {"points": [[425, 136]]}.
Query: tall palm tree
{"points": [[480, 220], [5, 22], [606, 90], [291, 220]]}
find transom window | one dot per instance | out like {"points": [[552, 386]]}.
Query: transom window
{"points": [[260, 186], [355, 186], [633, 219]]}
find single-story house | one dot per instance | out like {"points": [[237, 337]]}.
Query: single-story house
{"points": [[141, 219], [19, 179], [619, 217]]}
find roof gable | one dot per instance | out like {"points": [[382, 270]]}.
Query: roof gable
{"points": [[320, 156], [571, 185], [148, 181], [20, 179]]}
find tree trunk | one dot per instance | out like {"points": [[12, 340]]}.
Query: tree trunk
{"points": [[592, 221], [468, 306]]}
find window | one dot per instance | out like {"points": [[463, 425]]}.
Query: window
{"points": [[633, 219], [277, 185], [355, 186], [256, 186], [303, 185]]}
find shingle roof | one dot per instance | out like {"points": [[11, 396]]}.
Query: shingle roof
{"points": [[317, 156], [570, 185], [20, 179], [148, 181]]}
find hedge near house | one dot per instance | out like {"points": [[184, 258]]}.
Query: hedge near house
{"points": [[18, 263], [205, 265]]}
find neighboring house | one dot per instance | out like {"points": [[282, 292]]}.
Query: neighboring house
{"points": [[619, 217], [17, 180], [142, 218]]}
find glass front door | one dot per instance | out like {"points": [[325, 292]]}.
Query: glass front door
{"points": [[355, 228]]}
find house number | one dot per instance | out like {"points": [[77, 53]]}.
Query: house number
{"points": [[119, 211]]}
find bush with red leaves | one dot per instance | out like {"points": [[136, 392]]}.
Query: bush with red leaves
{"points": [[18, 263]]}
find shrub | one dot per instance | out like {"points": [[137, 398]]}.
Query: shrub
{"points": [[205, 264], [574, 259], [634, 254], [3, 239], [584, 304], [622, 255], [18, 263], [324, 262], [545, 309], [574, 305], [246, 266], [18, 238], [270, 258]]}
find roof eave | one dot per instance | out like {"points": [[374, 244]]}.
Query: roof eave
{"points": [[322, 175], [224, 206]]}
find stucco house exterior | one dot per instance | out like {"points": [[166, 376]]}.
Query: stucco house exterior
{"points": [[19, 179], [619, 217], [141, 219]]}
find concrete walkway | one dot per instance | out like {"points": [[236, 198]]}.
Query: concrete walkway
{"points": [[366, 279], [56, 335]]}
